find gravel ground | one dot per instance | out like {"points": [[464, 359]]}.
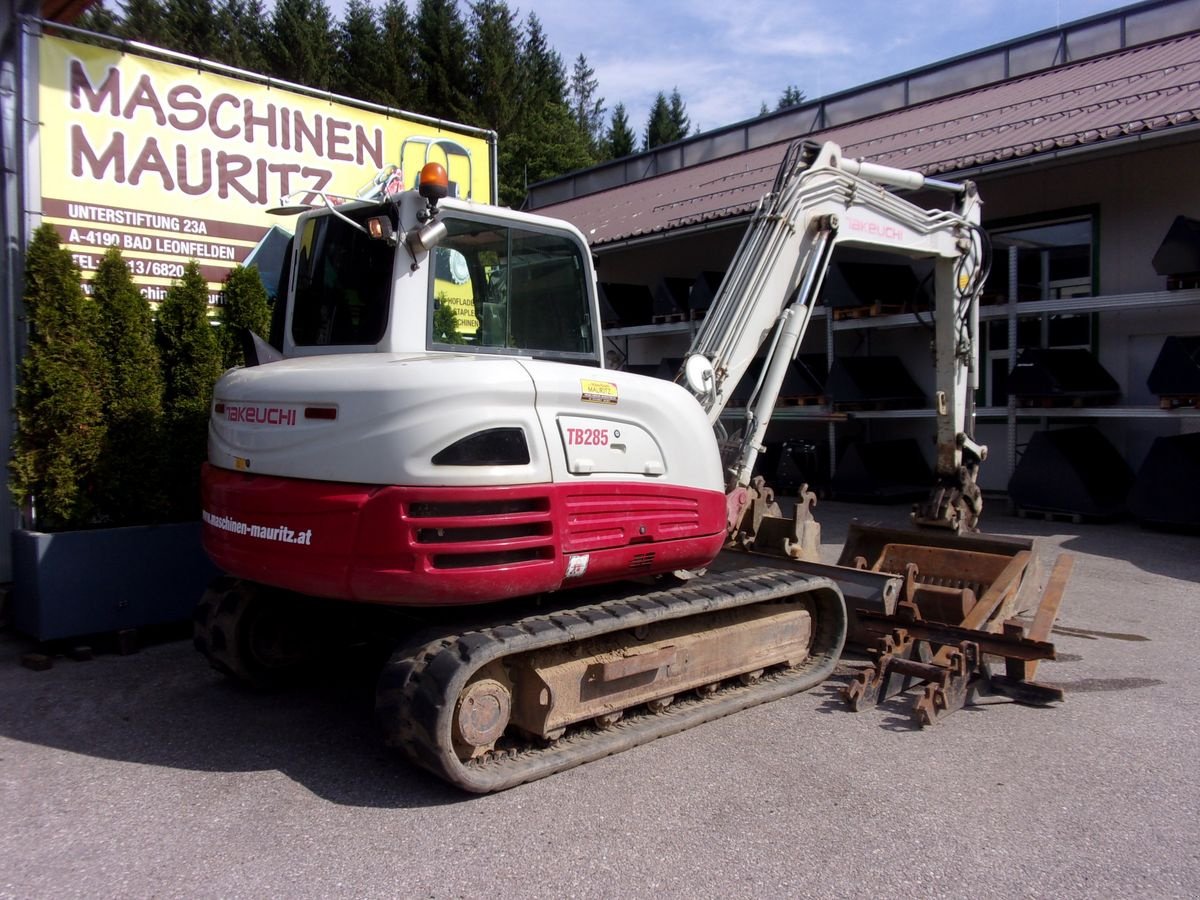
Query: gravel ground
{"points": [[149, 776]]}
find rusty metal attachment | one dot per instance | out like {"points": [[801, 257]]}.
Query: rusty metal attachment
{"points": [[953, 615], [746, 507], [797, 538]]}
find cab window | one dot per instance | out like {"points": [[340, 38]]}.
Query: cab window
{"points": [[495, 288], [343, 283]]}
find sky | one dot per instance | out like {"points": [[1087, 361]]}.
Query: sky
{"points": [[728, 58]]}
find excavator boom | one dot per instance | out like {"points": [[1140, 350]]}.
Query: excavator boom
{"points": [[821, 201]]}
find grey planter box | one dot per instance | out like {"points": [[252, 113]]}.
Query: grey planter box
{"points": [[73, 583]]}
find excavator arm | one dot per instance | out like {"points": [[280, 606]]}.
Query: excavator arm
{"points": [[820, 201]]}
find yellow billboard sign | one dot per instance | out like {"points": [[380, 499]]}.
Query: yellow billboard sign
{"points": [[171, 163]]}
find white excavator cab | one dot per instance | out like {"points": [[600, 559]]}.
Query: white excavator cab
{"points": [[387, 276]]}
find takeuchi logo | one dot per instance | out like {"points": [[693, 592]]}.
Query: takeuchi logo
{"points": [[260, 415], [877, 229]]}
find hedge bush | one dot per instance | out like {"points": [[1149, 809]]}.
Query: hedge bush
{"points": [[113, 402], [246, 307], [130, 485], [60, 434], [191, 359]]}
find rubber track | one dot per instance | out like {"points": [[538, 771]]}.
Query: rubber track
{"points": [[418, 691], [214, 626]]}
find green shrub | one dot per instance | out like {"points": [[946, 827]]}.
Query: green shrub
{"points": [[60, 433], [130, 486], [191, 358], [246, 307]]}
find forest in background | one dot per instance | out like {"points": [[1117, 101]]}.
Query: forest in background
{"points": [[480, 65]]}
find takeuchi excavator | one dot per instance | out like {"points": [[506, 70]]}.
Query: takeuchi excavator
{"points": [[565, 560]]}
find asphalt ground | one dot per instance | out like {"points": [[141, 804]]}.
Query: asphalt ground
{"points": [[148, 775]]}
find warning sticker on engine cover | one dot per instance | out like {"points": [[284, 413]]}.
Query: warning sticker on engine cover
{"points": [[597, 391]]}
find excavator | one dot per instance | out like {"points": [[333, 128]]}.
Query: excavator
{"points": [[565, 560]]}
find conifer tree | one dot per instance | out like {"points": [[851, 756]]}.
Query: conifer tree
{"points": [[246, 308], [791, 96], [98, 18], [658, 123], [442, 59], [668, 120], [680, 122], [60, 401], [300, 45], [145, 21], [399, 75], [130, 484], [619, 140], [191, 27], [543, 74], [191, 360], [587, 108], [546, 140], [360, 54], [241, 34], [495, 66], [548, 145]]}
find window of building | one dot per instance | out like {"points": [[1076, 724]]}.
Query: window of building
{"points": [[1054, 259]]}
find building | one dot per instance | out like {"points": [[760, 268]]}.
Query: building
{"points": [[1083, 140]]}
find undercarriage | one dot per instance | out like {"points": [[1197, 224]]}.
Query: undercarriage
{"points": [[487, 698]]}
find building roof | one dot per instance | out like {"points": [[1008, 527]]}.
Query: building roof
{"points": [[1144, 89]]}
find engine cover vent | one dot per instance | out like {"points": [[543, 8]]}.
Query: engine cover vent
{"points": [[494, 447]]}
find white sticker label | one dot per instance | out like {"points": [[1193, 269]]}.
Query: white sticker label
{"points": [[577, 565]]}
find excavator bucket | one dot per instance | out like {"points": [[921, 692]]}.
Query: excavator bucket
{"points": [[953, 611], [945, 575]]}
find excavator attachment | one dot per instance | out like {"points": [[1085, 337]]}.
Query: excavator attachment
{"points": [[955, 502], [954, 610], [763, 527]]}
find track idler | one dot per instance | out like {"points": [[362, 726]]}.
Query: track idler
{"points": [[263, 637]]}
